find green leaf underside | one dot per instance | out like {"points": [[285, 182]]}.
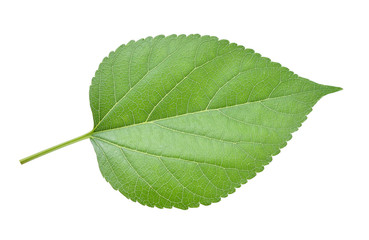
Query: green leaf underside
{"points": [[184, 120]]}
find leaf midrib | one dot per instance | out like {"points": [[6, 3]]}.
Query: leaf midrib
{"points": [[206, 110]]}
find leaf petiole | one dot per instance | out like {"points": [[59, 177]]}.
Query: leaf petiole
{"points": [[56, 147]]}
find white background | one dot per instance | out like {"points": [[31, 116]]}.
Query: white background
{"points": [[316, 188]]}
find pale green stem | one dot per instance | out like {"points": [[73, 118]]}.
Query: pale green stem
{"points": [[56, 147]]}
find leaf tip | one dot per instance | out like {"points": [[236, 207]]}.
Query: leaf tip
{"points": [[332, 89], [326, 89]]}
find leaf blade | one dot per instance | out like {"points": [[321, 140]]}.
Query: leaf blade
{"points": [[192, 133]]}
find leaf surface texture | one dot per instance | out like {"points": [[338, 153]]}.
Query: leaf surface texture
{"points": [[185, 120]]}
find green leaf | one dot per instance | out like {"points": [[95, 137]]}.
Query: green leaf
{"points": [[185, 120]]}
